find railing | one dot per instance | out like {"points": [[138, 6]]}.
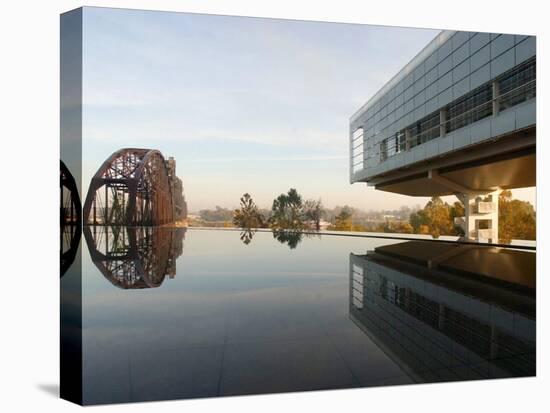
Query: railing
{"points": [[513, 97], [400, 142], [357, 150]]}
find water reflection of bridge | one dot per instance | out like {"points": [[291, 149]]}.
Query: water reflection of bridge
{"points": [[439, 322], [70, 218], [135, 257]]}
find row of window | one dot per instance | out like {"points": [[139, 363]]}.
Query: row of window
{"points": [[513, 87]]}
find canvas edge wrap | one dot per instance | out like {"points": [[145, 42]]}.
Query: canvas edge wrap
{"points": [[71, 158]]}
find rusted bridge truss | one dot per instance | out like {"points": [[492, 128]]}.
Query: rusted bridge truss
{"points": [[135, 257], [132, 187]]}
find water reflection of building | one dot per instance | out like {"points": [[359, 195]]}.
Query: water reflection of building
{"points": [[440, 320], [135, 257]]}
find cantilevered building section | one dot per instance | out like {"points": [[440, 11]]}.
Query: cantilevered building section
{"points": [[459, 118]]}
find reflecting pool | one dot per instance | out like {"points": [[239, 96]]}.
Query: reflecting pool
{"points": [[185, 313]]}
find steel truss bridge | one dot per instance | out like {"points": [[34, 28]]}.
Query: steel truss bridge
{"points": [[135, 187]]}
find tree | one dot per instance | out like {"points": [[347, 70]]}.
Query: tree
{"points": [[439, 217], [313, 209], [516, 219], [400, 227], [418, 220], [343, 221], [248, 216], [287, 211], [457, 211]]}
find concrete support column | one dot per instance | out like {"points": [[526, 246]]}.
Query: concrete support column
{"points": [[442, 122], [481, 216], [496, 93], [407, 139]]}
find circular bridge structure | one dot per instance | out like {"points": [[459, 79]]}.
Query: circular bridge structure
{"points": [[132, 187]]}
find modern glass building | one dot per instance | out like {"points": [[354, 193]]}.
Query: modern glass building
{"points": [[459, 118]]}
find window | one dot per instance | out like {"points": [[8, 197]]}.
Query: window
{"points": [[424, 130], [518, 85], [392, 145], [472, 107], [429, 127], [402, 141]]}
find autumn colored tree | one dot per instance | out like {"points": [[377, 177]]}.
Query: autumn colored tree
{"points": [[248, 216], [457, 211], [343, 221], [434, 219], [399, 227], [419, 221], [516, 219]]}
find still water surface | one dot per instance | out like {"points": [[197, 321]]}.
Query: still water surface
{"points": [[181, 313]]}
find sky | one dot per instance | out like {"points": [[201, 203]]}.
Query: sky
{"points": [[243, 104]]}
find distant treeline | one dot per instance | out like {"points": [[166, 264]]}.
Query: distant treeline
{"points": [[341, 218], [517, 219], [219, 214]]}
